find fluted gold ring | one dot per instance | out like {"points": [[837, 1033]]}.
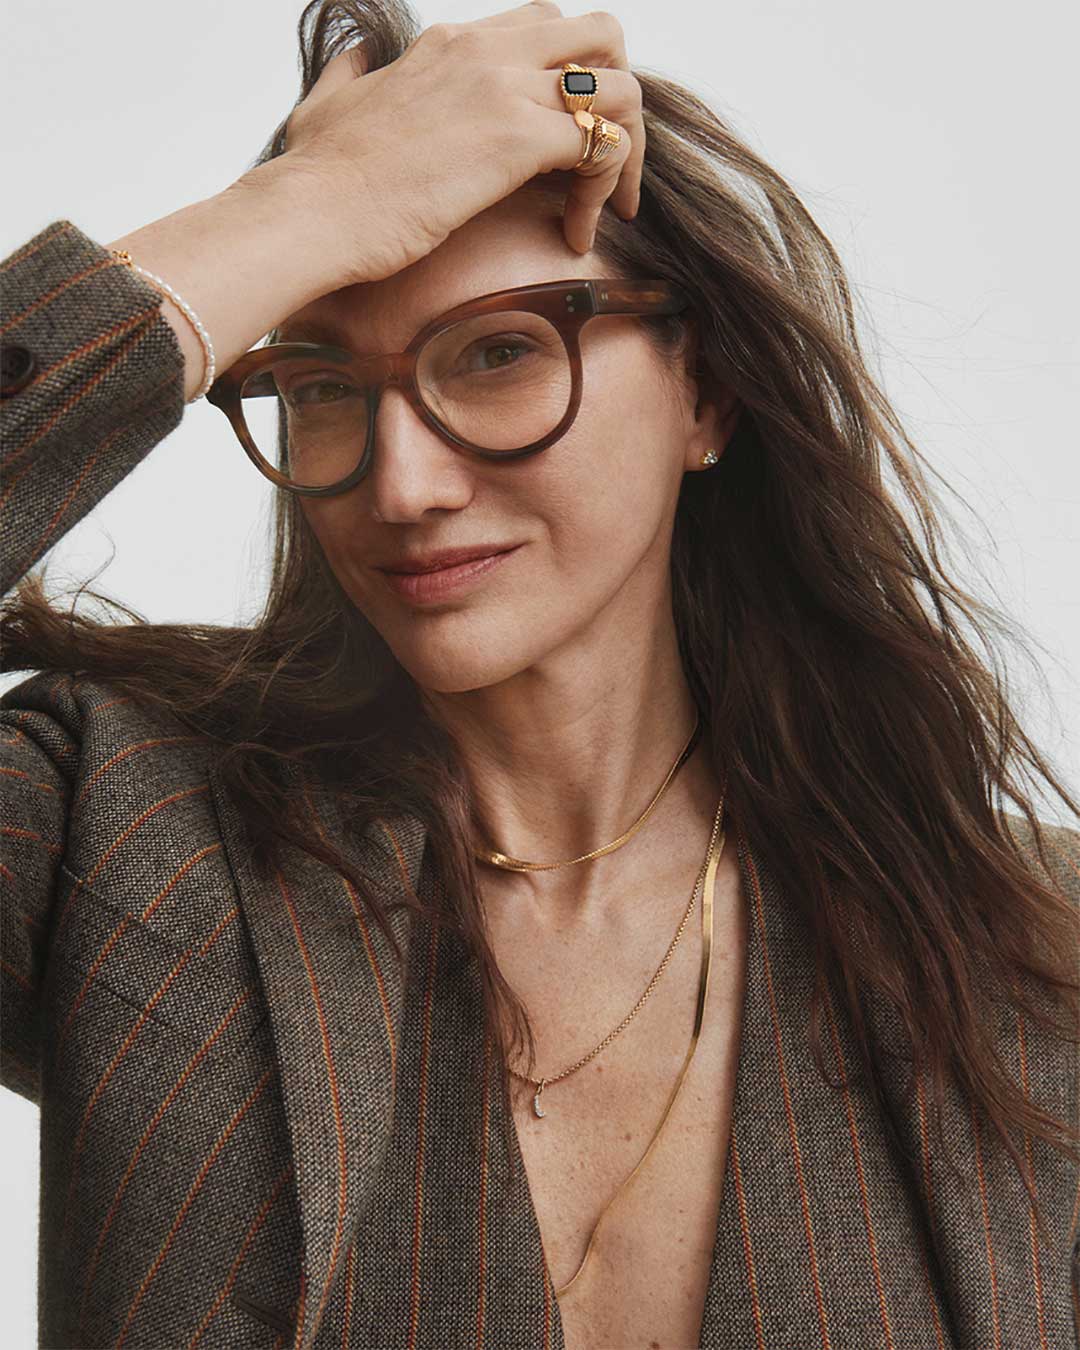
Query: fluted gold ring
{"points": [[578, 86]]}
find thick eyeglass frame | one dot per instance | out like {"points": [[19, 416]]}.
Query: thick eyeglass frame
{"points": [[567, 305]]}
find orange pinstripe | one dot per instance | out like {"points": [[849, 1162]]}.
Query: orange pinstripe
{"points": [[986, 1230], [369, 946], [158, 1116], [120, 839], [229, 918], [21, 773], [109, 702], [234, 1269], [792, 1130], [16, 832], [56, 291], [39, 546], [928, 1184], [939, 1335], [857, 1153], [1075, 1214], [87, 984], [924, 1133], [747, 1239], [301, 1311], [131, 750], [1035, 1265], [335, 1098], [16, 975], [30, 249], [421, 1131], [170, 886], [140, 324], [193, 1191]]}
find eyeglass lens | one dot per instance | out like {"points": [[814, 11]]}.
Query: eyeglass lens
{"points": [[499, 381]]}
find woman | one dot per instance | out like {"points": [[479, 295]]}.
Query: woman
{"points": [[619, 941]]}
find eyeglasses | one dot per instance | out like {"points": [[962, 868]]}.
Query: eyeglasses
{"points": [[316, 437]]}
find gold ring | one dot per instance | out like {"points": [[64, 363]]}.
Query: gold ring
{"points": [[578, 86]]}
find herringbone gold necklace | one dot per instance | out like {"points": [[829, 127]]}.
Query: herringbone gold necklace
{"points": [[497, 859]]}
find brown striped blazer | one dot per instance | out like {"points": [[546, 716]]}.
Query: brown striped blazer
{"points": [[255, 1131]]}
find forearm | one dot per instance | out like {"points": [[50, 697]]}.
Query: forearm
{"points": [[243, 260]]}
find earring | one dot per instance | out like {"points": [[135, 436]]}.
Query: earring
{"points": [[710, 457]]}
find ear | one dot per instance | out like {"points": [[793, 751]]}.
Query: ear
{"points": [[715, 410]]}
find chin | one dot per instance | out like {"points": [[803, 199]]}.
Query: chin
{"points": [[452, 668]]}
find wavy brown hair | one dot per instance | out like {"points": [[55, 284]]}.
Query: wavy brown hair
{"points": [[836, 664]]}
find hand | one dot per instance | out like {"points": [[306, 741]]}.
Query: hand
{"points": [[396, 159]]}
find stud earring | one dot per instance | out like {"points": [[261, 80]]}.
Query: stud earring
{"points": [[710, 457]]}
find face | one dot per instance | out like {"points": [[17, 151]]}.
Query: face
{"points": [[590, 517]]}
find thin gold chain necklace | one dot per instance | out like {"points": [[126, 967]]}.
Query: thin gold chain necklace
{"points": [[518, 865], [497, 859], [543, 1082], [712, 861], [707, 874]]}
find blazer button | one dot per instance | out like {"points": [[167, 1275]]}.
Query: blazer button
{"points": [[17, 368]]}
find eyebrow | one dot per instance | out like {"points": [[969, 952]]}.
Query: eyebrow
{"points": [[334, 334], [313, 330]]}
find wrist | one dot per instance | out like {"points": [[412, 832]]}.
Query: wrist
{"points": [[282, 202]]}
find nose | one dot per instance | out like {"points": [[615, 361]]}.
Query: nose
{"points": [[413, 469]]}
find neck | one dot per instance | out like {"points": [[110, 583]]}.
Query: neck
{"points": [[560, 765]]}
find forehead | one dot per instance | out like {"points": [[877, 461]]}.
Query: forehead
{"points": [[517, 242]]}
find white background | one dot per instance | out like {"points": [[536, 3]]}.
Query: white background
{"points": [[933, 143]]}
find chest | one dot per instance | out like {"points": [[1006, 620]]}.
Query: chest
{"points": [[646, 1278]]}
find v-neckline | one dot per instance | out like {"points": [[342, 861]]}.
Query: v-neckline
{"points": [[558, 1341]]}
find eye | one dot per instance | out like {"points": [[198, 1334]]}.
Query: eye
{"points": [[318, 391], [506, 344]]}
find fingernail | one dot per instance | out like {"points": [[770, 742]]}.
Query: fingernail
{"points": [[592, 239]]}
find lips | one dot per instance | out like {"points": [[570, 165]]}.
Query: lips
{"points": [[451, 557], [442, 583]]}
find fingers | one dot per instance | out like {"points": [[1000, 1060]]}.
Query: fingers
{"points": [[597, 39], [618, 101], [592, 185], [594, 39]]}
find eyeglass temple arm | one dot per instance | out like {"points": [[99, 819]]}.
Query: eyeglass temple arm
{"points": [[639, 297]]}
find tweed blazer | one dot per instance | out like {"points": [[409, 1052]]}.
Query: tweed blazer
{"points": [[257, 1131]]}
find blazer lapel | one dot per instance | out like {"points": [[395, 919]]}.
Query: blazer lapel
{"points": [[1002, 1284], [335, 995], [819, 1240]]}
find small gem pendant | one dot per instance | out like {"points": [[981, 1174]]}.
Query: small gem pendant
{"points": [[536, 1100]]}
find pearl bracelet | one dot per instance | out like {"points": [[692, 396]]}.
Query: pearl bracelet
{"points": [[122, 255]]}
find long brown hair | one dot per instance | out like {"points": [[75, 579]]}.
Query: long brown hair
{"points": [[835, 662]]}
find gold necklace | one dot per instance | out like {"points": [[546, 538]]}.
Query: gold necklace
{"points": [[497, 859], [543, 1082], [712, 861]]}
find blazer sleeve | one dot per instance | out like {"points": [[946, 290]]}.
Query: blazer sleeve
{"points": [[91, 379]]}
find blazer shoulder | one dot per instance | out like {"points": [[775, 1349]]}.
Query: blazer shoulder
{"points": [[1062, 850], [76, 701], [96, 731]]}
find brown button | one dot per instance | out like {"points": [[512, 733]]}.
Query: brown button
{"points": [[18, 367]]}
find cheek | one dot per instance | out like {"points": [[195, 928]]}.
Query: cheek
{"points": [[612, 489], [333, 525]]}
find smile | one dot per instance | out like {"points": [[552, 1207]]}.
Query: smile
{"points": [[421, 587]]}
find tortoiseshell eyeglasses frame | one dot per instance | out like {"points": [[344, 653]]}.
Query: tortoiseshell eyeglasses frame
{"points": [[567, 305]]}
